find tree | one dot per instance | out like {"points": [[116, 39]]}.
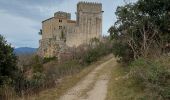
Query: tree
{"points": [[142, 27], [40, 32], [8, 68]]}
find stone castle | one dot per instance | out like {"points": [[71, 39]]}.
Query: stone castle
{"points": [[60, 32]]}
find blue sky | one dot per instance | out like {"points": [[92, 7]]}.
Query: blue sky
{"points": [[20, 20]]}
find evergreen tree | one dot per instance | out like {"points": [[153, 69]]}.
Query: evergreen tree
{"points": [[8, 68]]}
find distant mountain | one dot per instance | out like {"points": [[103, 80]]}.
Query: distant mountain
{"points": [[24, 50]]}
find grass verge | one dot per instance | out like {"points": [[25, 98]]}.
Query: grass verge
{"points": [[122, 88]]}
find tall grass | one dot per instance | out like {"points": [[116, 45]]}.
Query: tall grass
{"points": [[7, 92]]}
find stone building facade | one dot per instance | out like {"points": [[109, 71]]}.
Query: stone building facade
{"points": [[60, 32]]}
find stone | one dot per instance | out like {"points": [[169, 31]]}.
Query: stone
{"points": [[60, 32]]}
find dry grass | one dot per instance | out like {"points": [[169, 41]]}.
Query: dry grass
{"points": [[120, 88], [7, 93], [66, 83]]}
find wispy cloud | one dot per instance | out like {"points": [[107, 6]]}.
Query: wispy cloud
{"points": [[33, 9]]}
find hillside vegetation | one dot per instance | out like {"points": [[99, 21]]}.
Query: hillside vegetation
{"points": [[141, 42], [33, 74]]}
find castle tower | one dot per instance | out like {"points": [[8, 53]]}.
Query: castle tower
{"points": [[60, 32], [89, 20]]}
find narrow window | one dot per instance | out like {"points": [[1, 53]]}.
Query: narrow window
{"points": [[60, 20], [60, 27]]}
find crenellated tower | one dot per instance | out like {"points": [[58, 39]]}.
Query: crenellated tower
{"points": [[60, 32], [89, 20]]}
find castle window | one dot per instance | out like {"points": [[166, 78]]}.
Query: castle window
{"points": [[60, 27], [60, 20]]}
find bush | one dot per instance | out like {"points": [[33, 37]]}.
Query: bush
{"points": [[153, 77], [95, 52], [37, 64], [37, 81], [123, 52], [46, 60], [91, 56], [30, 77]]}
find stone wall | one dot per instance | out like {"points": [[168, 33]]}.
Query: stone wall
{"points": [[60, 32], [89, 20]]}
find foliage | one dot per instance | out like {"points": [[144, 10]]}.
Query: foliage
{"points": [[8, 68], [20, 83], [9, 71], [122, 51], [37, 81], [140, 34], [37, 64], [96, 50], [40, 32], [30, 76], [38, 77], [46, 60], [90, 56], [142, 27], [153, 77]]}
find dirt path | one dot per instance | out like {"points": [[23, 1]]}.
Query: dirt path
{"points": [[93, 86]]}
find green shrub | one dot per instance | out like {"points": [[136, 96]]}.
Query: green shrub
{"points": [[37, 64], [46, 60], [153, 77], [95, 52], [38, 80], [122, 51], [91, 56]]}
